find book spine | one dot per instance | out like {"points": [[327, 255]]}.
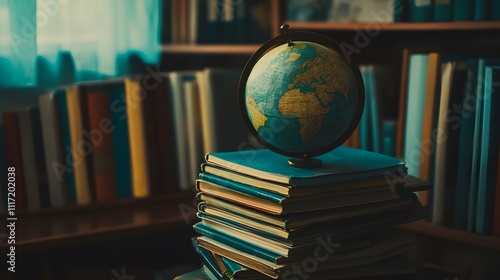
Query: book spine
{"points": [[421, 11], [80, 146], [463, 10], [443, 10]]}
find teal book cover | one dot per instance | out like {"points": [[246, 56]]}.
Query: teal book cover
{"points": [[401, 10], [476, 148], [236, 243], [443, 10], [417, 80], [463, 10], [421, 11], [464, 165], [495, 10], [340, 165], [121, 143], [489, 152], [242, 188], [60, 97], [481, 10]]}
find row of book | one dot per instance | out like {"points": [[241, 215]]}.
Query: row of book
{"points": [[452, 138], [99, 141], [393, 10], [263, 219], [216, 21]]}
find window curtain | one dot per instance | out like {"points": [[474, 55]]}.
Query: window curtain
{"points": [[43, 40]]}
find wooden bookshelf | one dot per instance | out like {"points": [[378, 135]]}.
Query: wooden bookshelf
{"points": [[47, 230], [399, 26], [427, 228]]}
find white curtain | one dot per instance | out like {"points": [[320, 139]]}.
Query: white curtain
{"points": [[93, 32]]}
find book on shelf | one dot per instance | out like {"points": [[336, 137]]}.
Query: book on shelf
{"points": [[251, 214], [443, 10], [194, 127], [463, 10]]}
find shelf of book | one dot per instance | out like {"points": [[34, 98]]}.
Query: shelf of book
{"points": [[427, 228], [73, 226], [209, 49], [399, 26]]}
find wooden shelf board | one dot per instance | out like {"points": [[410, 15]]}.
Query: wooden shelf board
{"points": [[42, 231], [400, 26], [427, 228], [210, 49]]}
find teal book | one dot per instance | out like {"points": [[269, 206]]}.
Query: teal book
{"points": [[121, 143], [443, 10], [476, 148], [60, 97], [374, 115], [481, 10], [495, 10], [364, 123], [464, 165], [401, 10], [463, 10], [340, 165], [421, 11], [256, 251], [417, 80], [388, 137], [489, 152]]}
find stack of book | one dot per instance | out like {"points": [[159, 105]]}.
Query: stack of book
{"points": [[261, 218]]}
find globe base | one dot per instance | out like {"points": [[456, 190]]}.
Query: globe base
{"points": [[305, 162]]}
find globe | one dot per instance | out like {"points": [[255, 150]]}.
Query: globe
{"points": [[301, 98]]}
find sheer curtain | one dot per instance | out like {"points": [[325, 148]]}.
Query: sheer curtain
{"points": [[92, 34]]}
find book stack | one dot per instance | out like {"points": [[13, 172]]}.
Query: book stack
{"points": [[261, 218]]}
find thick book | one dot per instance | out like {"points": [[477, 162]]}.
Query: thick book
{"points": [[481, 10], [421, 11], [194, 128], [463, 10], [340, 165], [443, 10]]}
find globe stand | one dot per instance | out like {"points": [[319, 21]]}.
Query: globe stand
{"points": [[307, 162]]}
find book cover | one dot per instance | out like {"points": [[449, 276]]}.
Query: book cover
{"points": [[176, 87], [55, 161], [66, 169], [100, 136], [488, 157], [37, 188], [466, 138], [476, 148], [401, 10], [81, 148], [495, 10], [208, 259], [481, 10], [141, 184], [463, 10], [443, 10], [14, 156], [340, 165], [421, 11], [194, 128]]}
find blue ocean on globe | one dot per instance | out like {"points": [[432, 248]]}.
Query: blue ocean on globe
{"points": [[301, 98]]}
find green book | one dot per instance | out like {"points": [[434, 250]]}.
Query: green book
{"points": [[340, 165]]}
